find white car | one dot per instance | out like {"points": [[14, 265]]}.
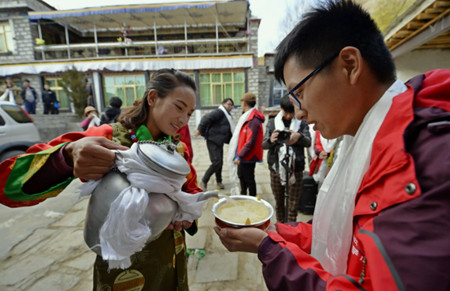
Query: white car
{"points": [[17, 130]]}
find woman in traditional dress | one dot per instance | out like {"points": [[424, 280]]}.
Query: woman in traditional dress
{"points": [[48, 168]]}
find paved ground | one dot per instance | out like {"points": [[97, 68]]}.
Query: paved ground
{"points": [[42, 247]]}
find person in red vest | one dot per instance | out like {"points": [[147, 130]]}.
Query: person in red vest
{"points": [[245, 148], [320, 152], [185, 136]]}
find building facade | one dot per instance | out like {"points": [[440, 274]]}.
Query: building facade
{"points": [[118, 48]]}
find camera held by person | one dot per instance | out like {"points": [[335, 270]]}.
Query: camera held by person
{"points": [[283, 136]]}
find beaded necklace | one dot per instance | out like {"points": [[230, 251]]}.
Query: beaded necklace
{"points": [[142, 133]]}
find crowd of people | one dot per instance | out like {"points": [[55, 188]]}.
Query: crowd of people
{"points": [[377, 148], [28, 97]]}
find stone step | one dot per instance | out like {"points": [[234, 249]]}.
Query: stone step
{"points": [[53, 125]]}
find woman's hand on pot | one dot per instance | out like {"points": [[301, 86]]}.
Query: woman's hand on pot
{"points": [[246, 239], [91, 157], [179, 225]]}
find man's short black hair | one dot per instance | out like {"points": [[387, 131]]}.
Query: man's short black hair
{"points": [[250, 103], [326, 30], [226, 100], [286, 104], [115, 102]]}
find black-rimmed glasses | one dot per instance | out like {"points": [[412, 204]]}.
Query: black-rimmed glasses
{"points": [[291, 92]]}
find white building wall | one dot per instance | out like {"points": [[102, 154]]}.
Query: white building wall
{"points": [[420, 61]]}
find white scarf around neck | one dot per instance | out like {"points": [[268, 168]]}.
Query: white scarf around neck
{"points": [[229, 118], [232, 153], [294, 126], [333, 215]]}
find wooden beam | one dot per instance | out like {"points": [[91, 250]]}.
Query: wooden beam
{"points": [[434, 46], [445, 4], [431, 22], [415, 24], [402, 33], [426, 16], [423, 35], [437, 10]]}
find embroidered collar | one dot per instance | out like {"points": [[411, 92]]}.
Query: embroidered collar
{"points": [[142, 133]]}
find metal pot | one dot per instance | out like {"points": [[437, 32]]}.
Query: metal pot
{"points": [[161, 158]]}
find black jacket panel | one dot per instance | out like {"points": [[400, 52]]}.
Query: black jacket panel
{"points": [[215, 128]]}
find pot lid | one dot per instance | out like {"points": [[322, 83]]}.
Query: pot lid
{"points": [[163, 158]]}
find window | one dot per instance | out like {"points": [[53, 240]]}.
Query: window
{"points": [[16, 113], [216, 86], [127, 87], [61, 96], [6, 40], [279, 90]]}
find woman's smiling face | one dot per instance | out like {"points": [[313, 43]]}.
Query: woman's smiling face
{"points": [[169, 114]]}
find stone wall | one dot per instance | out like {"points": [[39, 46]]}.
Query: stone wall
{"points": [[266, 80], [24, 32], [23, 42], [51, 126], [253, 73]]}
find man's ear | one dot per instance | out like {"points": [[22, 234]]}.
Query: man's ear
{"points": [[351, 60]]}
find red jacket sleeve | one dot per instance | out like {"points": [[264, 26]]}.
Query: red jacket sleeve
{"points": [[287, 264]]}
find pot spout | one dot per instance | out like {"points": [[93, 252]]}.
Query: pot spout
{"points": [[206, 195]]}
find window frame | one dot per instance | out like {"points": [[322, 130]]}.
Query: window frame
{"points": [[222, 85], [7, 37], [124, 86], [278, 87], [61, 96]]}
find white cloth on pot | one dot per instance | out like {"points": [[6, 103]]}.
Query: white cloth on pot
{"points": [[125, 231]]}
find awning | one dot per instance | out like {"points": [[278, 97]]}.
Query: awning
{"points": [[422, 26], [144, 16], [130, 65]]}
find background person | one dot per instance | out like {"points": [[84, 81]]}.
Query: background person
{"points": [[112, 112], [285, 120], [246, 146], [184, 135], [29, 97], [10, 92], [48, 168], [382, 215], [217, 128], [91, 118], [49, 100], [320, 152]]}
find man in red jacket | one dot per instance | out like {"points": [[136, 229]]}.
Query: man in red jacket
{"points": [[246, 144], [382, 218]]}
